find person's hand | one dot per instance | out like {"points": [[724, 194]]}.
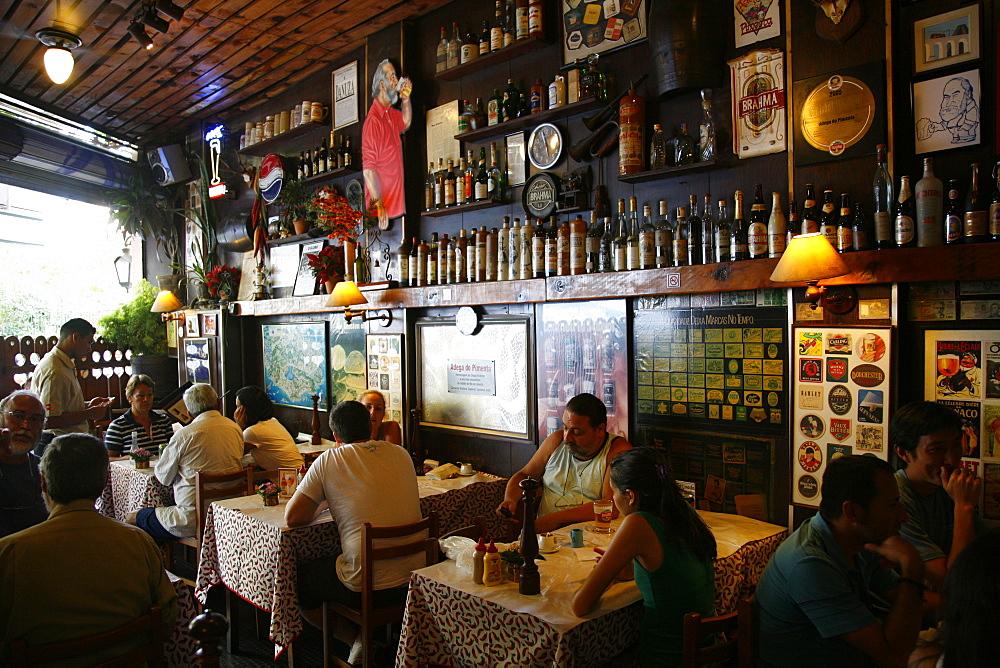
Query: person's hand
{"points": [[383, 215], [96, 412], [130, 518], [900, 552], [962, 485], [546, 524], [101, 402], [506, 509]]}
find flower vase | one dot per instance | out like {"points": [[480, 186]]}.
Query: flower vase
{"points": [[142, 463], [301, 225], [329, 285], [270, 499]]}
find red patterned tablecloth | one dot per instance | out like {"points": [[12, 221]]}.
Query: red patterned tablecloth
{"points": [[448, 621], [248, 547], [180, 646], [130, 489]]}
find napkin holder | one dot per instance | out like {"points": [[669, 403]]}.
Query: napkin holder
{"points": [[443, 472]]}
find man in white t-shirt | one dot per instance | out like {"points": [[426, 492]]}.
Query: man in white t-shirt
{"points": [[362, 481]]}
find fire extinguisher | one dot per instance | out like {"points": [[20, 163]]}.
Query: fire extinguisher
{"points": [[632, 120]]}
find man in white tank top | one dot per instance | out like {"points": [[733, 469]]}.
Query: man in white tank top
{"points": [[572, 464]]}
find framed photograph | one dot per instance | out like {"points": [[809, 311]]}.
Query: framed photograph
{"points": [[946, 39], [295, 363], [946, 112], [288, 482], [171, 334], [198, 361], [515, 159], [191, 325], [208, 324], [600, 27]]}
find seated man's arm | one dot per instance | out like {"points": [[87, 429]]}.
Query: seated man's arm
{"points": [[965, 489], [168, 465], [533, 469], [300, 510]]}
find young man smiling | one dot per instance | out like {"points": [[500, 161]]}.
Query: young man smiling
{"points": [[939, 495]]}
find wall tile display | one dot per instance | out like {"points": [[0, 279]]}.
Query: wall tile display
{"points": [[841, 378], [295, 363], [385, 371]]}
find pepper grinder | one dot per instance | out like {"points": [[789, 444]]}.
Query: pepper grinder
{"points": [[317, 439], [529, 582]]}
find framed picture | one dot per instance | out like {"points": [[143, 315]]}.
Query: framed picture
{"points": [[345, 95], [946, 39], [600, 27], [348, 366], [171, 334], [305, 282], [946, 112], [191, 325], [288, 482], [208, 324], [515, 159], [385, 371], [295, 362], [198, 360]]}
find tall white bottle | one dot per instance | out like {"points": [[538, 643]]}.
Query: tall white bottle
{"points": [[930, 207]]}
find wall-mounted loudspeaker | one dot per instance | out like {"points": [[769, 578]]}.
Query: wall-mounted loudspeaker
{"points": [[168, 164]]}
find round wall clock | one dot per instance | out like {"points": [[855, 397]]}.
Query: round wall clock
{"points": [[545, 146]]}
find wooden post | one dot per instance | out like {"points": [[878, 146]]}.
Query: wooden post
{"points": [[317, 438], [207, 629], [529, 582]]}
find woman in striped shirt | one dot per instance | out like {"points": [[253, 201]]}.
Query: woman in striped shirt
{"points": [[139, 425]]}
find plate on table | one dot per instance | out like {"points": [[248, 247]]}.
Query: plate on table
{"points": [[592, 528]]}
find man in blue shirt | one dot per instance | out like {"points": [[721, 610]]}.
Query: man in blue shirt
{"points": [[21, 506], [817, 600]]}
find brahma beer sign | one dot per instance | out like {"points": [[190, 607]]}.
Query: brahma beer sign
{"points": [[840, 401], [758, 92]]}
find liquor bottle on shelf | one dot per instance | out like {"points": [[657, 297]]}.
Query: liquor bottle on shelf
{"points": [[441, 63], [431, 265], [552, 249], [451, 273], [453, 55], [497, 182], [695, 247], [738, 244], [592, 245], [953, 215], [465, 117], [828, 218], [723, 234], [577, 264], [777, 228], [606, 256], [470, 178], [439, 185], [481, 254], [562, 248], [429, 188], [470, 48], [995, 205], [418, 274], [484, 39], [462, 257], [308, 164], [526, 251], [536, 101], [449, 184], [845, 226], [403, 261], [647, 240], [514, 251], [905, 236], [444, 246], [706, 132], [509, 29], [681, 238], [482, 186], [810, 215], [536, 19], [976, 228], [930, 207], [492, 254], [864, 230], [348, 154], [621, 240], [521, 20], [511, 101], [631, 121], [707, 231], [503, 237], [794, 221], [663, 239], [321, 163], [460, 182], [884, 201], [301, 170], [634, 260], [684, 147], [493, 110], [657, 148], [496, 30], [524, 110], [538, 250]]}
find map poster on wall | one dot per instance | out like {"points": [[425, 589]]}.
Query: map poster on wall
{"points": [[962, 371], [295, 363], [725, 366], [385, 372], [348, 365], [841, 380]]}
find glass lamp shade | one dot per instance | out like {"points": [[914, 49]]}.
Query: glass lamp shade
{"points": [[58, 64], [346, 293], [809, 257], [165, 302]]}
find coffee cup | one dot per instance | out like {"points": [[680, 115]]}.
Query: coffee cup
{"points": [[317, 112], [547, 542], [467, 469]]}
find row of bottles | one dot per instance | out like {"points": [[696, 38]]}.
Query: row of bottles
{"points": [[447, 186], [514, 20], [326, 157], [679, 149]]}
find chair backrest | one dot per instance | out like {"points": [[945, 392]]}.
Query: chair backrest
{"points": [[734, 638], [426, 543], [751, 505], [22, 654], [212, 486]]}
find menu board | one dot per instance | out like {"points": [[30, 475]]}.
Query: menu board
{"points": [[719, 366], [841, 401], [962, 371]]}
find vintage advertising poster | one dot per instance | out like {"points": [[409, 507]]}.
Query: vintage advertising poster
{"points": [[758, 90], [991, 491], [385, 372], [442, 125], [756, 20], [345, 95], [840, 400]]}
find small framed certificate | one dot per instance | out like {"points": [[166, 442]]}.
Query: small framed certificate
{"points": [[288, 481]]}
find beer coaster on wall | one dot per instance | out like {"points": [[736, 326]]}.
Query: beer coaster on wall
{"points": [[840, 405]]}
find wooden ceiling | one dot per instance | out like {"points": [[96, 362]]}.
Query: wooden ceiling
{"points": [[221, 58]]}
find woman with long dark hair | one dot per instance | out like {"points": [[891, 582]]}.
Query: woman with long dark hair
{"points": [[672, 549], [267, 441]]}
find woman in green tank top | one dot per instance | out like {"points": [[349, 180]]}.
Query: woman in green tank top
{"points": [[671, 548]]}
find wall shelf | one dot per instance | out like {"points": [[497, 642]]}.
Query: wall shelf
{"points": [[329, 175], [518, 48], [531, 120], [462, 208], [665, 172], [272, 145]]}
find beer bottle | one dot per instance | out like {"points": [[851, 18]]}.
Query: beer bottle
{"points": [[757, 229], [722, 234], [976, 216], [845, 226], [905, 210], [863, 230], [738, 231], [810, 215], [953, 216], [828, 218]]}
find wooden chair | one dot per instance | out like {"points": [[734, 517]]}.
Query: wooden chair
{"points": [[734, 648], [151, 653], [368, 617]]}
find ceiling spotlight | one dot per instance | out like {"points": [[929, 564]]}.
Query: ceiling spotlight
{"points": [[150, 18], [139, 33], [58, 59], [170, 9]]}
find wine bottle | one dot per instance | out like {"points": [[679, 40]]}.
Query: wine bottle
{"points": [[441, 64], [695, 248], [884, 202], [810, 215], [495, 179], [454, 52], [828, 218], [708, 231], [757, 227], [647, 240], [738, 249], [930, 207], [845, 226], [905, 211], [482, 186], [431, 261], [864, 230], [953, 215], [723, 234], [976, 226], [777, 228], [681, 238], [634, 257], [664, 238], [428, 188]]}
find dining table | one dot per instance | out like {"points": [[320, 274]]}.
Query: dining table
{"points": [[249, 548], [130, 488], [450, 620]]}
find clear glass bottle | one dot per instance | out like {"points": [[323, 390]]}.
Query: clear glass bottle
{"points": [[684, 147], [723, 234], [658, 148], [738, 249], [777, 228], [621, 240], [664, 238], [454, 52], [681, 238], [708, 231], [695, 247], [634, 261], [647, 240], [884, 201], [441, 61], [706, 145]]}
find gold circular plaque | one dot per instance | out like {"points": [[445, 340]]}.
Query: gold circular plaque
{"points": [[837, 114]]}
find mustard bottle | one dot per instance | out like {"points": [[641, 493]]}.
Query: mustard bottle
{"points": [[492, 572]]}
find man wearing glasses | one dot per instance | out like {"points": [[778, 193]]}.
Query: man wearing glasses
{"points": [[22, 416]]}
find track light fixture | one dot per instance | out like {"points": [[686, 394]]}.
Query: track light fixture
{"points": [[139, 33], [150, 18], [58, 59], [170, 9]]}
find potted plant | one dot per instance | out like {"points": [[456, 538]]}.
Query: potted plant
{"points": [[295, 198], [146, 210], [327, 265], [269, 492], [204, 248], [334, 215], [141, 457], [222, 282]]}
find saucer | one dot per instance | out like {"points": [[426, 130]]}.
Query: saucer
{"points": [[552, 551]]}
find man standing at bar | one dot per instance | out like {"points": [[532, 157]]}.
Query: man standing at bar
{"points": [[573, 465], [938, 494], [56, 383], [382, 144], [21, 506]]}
